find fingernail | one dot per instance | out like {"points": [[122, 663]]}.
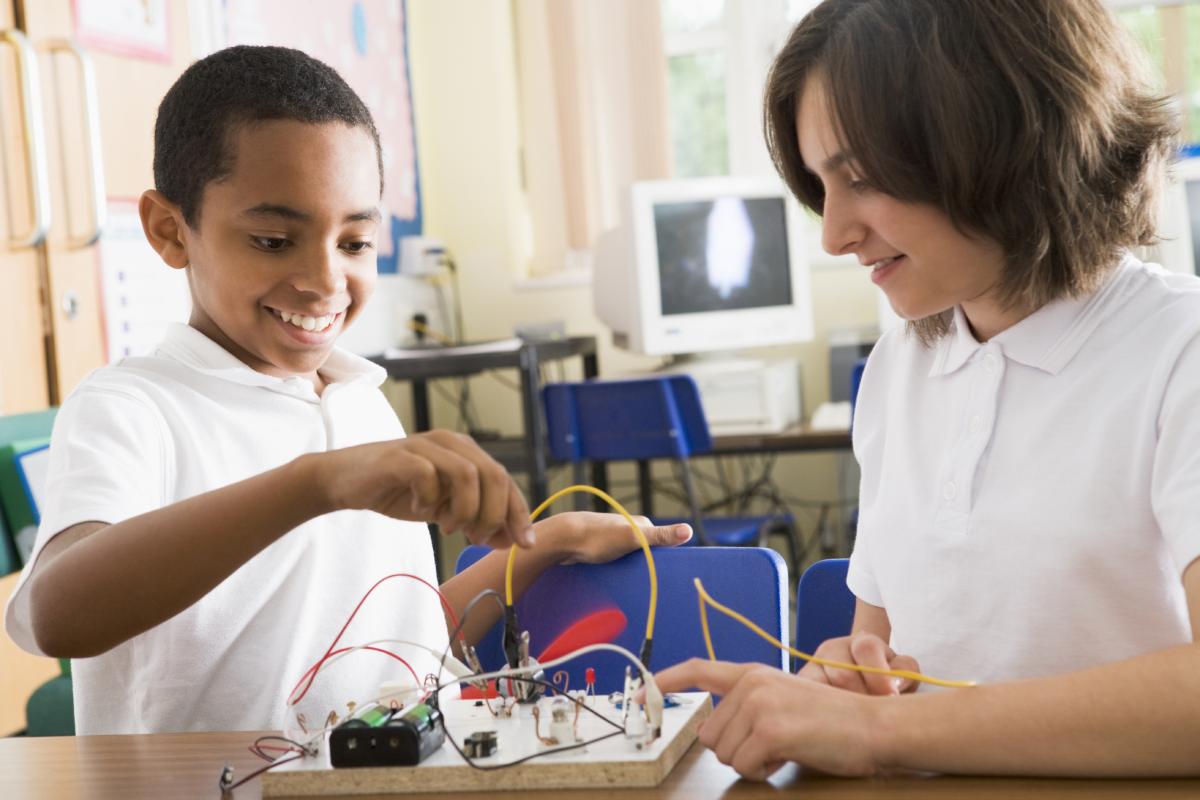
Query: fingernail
{"points": [[530, 537], [683, 533], [895, 685]]}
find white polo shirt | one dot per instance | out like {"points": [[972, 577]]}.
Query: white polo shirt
{"points": [[190, 418], [1028, 505]]}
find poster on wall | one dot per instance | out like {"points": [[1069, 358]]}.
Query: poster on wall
{"points": [[137, 28], [140, 295], [366, 41]]}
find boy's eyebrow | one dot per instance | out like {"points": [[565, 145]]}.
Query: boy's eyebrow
{"points": [[287, 212]]}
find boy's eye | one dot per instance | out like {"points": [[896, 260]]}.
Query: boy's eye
{"points": [[271, 244], [357, 247]]}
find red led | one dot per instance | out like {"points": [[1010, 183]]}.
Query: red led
{"points": [[589, 676]]}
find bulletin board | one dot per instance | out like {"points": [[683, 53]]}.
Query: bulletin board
{"points": [[366, 41]]}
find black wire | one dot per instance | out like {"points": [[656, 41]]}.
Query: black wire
{"points": [[228, 772], [257, 746], [462, 621], [546, 684]]}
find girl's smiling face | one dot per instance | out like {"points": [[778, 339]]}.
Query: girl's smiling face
{"points": [[921, 261]]}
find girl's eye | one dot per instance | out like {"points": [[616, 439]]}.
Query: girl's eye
{"points": [[859, 186], [272, 244], [357, 247]]}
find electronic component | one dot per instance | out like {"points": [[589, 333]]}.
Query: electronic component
{"points": [[480, 744], [383, 737], [526, 691]]}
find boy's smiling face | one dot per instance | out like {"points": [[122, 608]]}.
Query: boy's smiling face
{"points": [[283, 254]]}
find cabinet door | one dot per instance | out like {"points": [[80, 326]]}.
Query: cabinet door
{"points": [[23, 375], [128, 90]]}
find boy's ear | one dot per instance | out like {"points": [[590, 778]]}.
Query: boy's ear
{"points": [[164, 226]]}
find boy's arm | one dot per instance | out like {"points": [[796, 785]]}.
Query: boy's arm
{"points": [[1137, 717], [575, 537], [95, 586]]}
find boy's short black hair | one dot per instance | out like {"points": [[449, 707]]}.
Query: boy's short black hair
{"points": [[241, 86]]}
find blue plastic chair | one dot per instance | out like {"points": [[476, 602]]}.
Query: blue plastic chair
{"points": [[50, 710], [824, 604], [569, 606], [648, 418]]}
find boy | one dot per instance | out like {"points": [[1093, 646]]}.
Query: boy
{"points": [[1030, 477], [215, 509]]}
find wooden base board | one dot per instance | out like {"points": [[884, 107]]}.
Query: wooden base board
{"points": [[612, 763]]}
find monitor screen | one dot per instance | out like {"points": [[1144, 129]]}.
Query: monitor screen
{"points": [[722, 254], [1192, 188]]}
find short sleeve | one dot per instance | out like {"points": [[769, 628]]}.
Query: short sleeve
{"points": [[1175, 484], [108, 462], [867, 440]]}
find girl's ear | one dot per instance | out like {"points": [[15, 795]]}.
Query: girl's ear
{"points": [[163, 224]]}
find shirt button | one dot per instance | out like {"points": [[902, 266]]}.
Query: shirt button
{"points": [[990, 363], [975, 424], [949, 490]]}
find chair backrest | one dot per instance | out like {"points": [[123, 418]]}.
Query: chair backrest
{"points": [[20, 436], [856, 373], [571, 606], [824, 604], [643, 418]]}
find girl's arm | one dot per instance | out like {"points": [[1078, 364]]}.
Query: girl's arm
{"points": [[1134, 718]]}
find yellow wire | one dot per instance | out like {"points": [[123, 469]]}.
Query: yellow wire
{"points": [[537, 512], [430, 332], [896, 673]]}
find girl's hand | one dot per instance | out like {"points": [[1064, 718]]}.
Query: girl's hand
{"points": [[438, 476], [768, 717], [868, 650], [586, 537]]}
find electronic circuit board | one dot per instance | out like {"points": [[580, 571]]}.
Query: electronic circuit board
{"points": [[614, 762]]}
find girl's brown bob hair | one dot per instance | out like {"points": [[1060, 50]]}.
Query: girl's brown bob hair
{"points": [[1029, 122]]}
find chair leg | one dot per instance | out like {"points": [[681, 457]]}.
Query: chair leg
{"points": [[786, 529]]}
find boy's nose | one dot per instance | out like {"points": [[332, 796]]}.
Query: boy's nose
{"points": [[320, 274]]}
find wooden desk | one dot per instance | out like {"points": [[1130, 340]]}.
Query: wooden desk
{"points": [[796, 439], [187, 765]]}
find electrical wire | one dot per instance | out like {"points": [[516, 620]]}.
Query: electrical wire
{"points": [[316, 668], [706, 598], [226, 783], [620, 509]]}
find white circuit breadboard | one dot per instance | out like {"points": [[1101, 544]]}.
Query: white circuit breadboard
{"points": [[612, 763]]}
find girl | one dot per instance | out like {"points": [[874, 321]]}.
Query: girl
{"points": [[1030, 445]]}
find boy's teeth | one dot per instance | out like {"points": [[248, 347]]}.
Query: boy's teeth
{"points": [[305, 322]]}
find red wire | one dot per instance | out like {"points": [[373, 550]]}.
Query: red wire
{"points": [[329, 653], [312, 671]]}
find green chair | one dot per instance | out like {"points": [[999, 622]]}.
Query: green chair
{"points": [[50, 710]]}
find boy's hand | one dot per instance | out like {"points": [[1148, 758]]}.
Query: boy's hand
{"points": [[868, 650], [586, 537], [438, 476]]}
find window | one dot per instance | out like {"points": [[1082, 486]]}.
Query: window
{"points": [[718, 53], [1170, 34]]}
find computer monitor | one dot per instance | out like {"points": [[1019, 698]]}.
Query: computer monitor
{"points": [[1178, 248], [703, 265]]}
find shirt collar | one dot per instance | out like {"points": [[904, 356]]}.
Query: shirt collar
{"points": [[1047, 339], [189, 346]]}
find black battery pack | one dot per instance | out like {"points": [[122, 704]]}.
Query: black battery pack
{"points": [[386, 738]]}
